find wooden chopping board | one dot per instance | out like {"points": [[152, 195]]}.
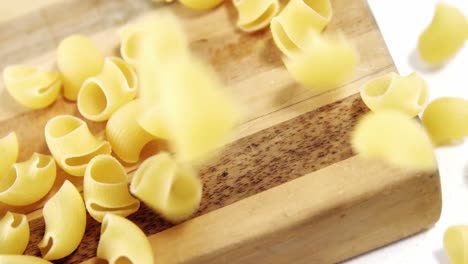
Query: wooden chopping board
{"points": [[288, 189]]}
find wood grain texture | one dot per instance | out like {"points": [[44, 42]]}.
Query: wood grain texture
{"points": [[271, 194]]}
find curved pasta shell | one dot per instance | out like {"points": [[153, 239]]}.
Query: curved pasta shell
{"points": [[125, 135], [9, 149], [15, 259], [172, 190], [151, 119], [14, 234], [123, 242], [65, 223], [326, 62], [445, 36], [255, 14], [32, 87], [456, 244], [200, 4], [28, 182], [408, 94], [102, 95], [72, 144], [445, 119], [78, 58], [105, 189], [394, 137], [292, 26]]}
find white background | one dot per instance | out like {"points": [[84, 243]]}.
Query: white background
{"points": [[401, 23]]}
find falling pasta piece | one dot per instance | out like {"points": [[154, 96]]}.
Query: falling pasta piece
{"points": [[9, 150], [65, 223], [123, 242], [32, 87], [445, 119], [105, 189], [290, 29], [326, 62], [255, 14], [102, 95], [125, 135], [200, 4], [72, 144], [445, 36], [28, 182], [408, 94], [170, 189], [14, 234], [152, 120], [456, 244], [78, 58], [15, 259], [394, 137]]}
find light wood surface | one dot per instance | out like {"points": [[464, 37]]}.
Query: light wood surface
{"points": [[288, 189]]}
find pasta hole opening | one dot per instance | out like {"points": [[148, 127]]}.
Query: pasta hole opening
{"points": [[108, 170], [269, 12], [93, 100], [99, 208], [322, 7], [378, 87], [42, 162], [63, 126], [183, 190], [282, 37], [123, 260], [132, 45], [43, 89], [7, 181], [48, 246], [85, 159], [17, 220], [127, 72]]}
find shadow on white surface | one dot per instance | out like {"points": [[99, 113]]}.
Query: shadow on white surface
{"points": [[440, 256], [416, 62], [465, 174]]}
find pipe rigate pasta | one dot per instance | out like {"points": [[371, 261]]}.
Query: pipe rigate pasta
{"points": [[456, 244], [122, 241], [255, 14], [9, 149], [394, 137], [445, 119], [170, 189], [32, 87], [72, 144], [65, 223], [105, 188], [15, 259], [200, 4], [292, 26], [28, 182], [78, 58], [445, 36], [125, 135], [408, 94], [14, 234], [102, 95]]}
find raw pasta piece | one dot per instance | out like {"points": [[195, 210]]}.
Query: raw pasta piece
{"points": [[125, 135], [172, 190], [456, 244], [123, 242], [16, 259], [255, 14], [325, 63], [32, 87], [65, 223], [163, 1], [445, 36], [200, 4], [28, 182], [14, 234], [102, 95], [72, 144], [394, 137], [445, 119], [78, 58], [293, 25], [105, 189], [9, 150], [408, 94], [151, 119]]}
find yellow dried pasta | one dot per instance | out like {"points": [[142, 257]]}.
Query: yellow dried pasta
{"points": [[408, 94], [445, 36], [32, 87], [152, 120], [172, 190], [445, 119], [105, 188], [325, 63], [72, 144], [102, 95], [293, 25], [78, 58], [456, 244], [125, 135], [200, 4], [394, 137], [28, 182], [9, 149], [255, 14], [14, 234], [65, 223], [15, 259], [122, 241]]}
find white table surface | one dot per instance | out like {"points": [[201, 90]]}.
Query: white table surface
{"points": [[401, 22]]}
